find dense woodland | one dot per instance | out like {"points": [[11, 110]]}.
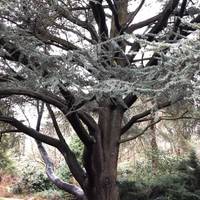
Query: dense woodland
{"points": [[109, 93]]}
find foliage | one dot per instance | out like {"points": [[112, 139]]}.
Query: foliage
{"points": [[133, 190], [142, 170], [82, 56], [52, 194], [9, 143], [32, 180], [183, 184], [77, 147], [6, 164], [177, 179], [63, 172]]}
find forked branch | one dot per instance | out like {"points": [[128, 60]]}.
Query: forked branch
{"points": [[80, 130], [146, 113], [72, 189], [30, 131], [42, 95], [182, 116], [69, 156]]}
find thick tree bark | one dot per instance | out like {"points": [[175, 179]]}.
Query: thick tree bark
{"points": [[101, 159]]}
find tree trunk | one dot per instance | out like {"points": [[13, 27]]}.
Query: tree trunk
{"points": [[101, 158], [154, 149]]}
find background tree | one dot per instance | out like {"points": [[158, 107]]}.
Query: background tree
{"points": [[10, 145], [85, 56]]}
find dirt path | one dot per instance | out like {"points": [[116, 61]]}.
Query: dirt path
{"points": [[5, 194], [3, 198], [5, 183], [3, 190]]}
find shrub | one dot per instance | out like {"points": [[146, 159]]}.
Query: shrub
{"points": [[52, 194], [182, 184], [142, 170], [77, 147], [6, 165], [63, 172], [132, 190], [32, 179]]}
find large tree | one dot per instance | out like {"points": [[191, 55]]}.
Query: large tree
{"points": [[84, 57]]}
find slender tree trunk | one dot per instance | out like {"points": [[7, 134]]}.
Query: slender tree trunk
{"points": [[154, 149], [101, 163], [155, 158]]}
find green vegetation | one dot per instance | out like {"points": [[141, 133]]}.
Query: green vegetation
{"points": [[181, 184], [31, 181], [6, 165], [6, 162], [36, 183], [53, 194], [112, 73], [177, 179], [142, 170]]}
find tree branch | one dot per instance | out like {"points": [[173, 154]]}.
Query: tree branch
{"points": [[16, 54], [30, 131], [68, 96], [56, 126], [79, 129], [162, 22], [8, 131], [69, 156], [141, 133], [142, 24], [64, 12], [45, 36], [182, 116], [40, 111], [186, 29], [90, 123], [115, 15], [49, 165], [42, 95], [100, 18], [178, 20], [145, 113], [130, 99], [132, 15], [72, 189]]}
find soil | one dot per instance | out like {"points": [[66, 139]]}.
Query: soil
{"points": [[5, 182]]}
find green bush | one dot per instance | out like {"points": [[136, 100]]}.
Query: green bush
{"points": [[177, 179], [6, 165], [142, 170], [32, 179], [182, 184], [48, 194], [63, 172], [77, 147], [132, 190], [53, 194]]}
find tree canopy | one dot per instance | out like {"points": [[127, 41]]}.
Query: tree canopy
{"points": [[96, 56]]}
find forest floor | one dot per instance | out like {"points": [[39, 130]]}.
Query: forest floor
{"points": [[5, 194], [2, 198], [6, 181]]}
